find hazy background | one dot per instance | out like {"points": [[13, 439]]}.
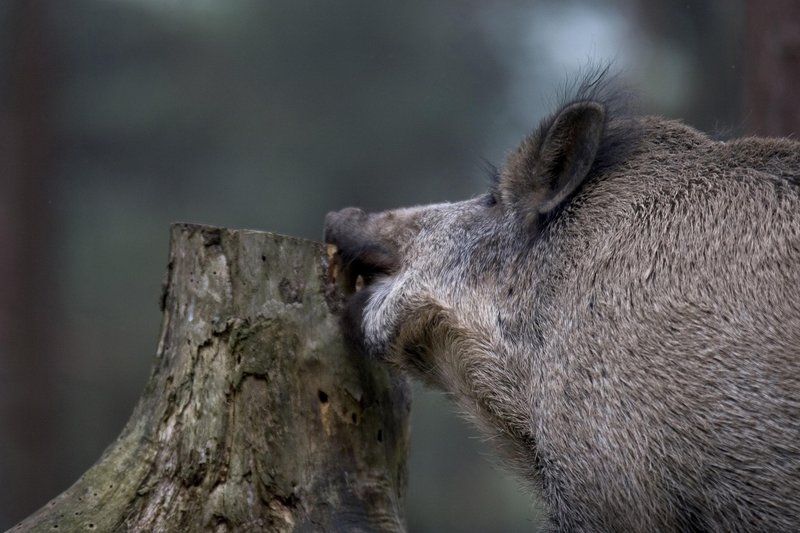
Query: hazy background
{"points": [[122, 116]]}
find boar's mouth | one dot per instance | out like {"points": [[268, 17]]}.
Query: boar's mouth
{"points": [[358, 257], [354, 269], [355, 255]]}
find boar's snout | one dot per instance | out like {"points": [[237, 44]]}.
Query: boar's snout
{"points": [[359, 253]]}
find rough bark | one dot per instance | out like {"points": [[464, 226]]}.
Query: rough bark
{"points": [[256, 416]]}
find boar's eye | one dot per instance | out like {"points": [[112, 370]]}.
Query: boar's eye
{"points": [[489, 199]]}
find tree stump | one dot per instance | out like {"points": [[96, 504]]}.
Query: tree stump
{"points": [[256, 416]]}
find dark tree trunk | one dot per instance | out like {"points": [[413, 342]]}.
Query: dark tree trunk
{"points": [[773, 67], [256, 416], [28, 299]]}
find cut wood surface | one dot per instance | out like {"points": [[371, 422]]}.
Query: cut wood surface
{"points": [[256, 416]]}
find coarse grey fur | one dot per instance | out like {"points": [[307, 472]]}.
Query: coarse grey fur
{"points": [[620, 314]]}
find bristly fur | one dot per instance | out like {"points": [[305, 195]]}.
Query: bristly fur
{"points": [[600, 84], [492, 172], [621, 135], [493, 182], [633, 351]]}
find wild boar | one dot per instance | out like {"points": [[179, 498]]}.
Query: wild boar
{"points": [[620, 313]]}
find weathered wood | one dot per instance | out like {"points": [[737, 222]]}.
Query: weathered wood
{"points": [[255, 417]]}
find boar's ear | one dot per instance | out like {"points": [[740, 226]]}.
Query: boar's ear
{"points": [[567, 153]]}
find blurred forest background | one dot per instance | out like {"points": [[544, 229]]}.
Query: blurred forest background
{"points": [[118, 117]]}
